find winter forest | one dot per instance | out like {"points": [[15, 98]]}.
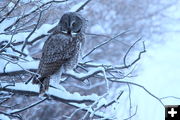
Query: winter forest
{"points": [[128, 69]]}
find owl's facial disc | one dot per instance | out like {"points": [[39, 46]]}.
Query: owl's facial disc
{"points": [[71, 23], [76, 25]]}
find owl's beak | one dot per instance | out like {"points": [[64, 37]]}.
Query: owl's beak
{"points": [[69, 31], [71, 25]]}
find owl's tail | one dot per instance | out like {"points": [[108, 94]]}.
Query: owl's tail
{"points": [[43, 82]]}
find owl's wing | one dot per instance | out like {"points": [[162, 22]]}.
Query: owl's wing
{"points": [[57, 50]]}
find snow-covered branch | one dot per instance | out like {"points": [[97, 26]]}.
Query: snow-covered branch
{"points": [[31, 89]]}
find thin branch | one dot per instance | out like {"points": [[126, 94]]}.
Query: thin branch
{"points": [[130, 103], [5, 46], [126, 82], [26, 40], [132, 115], [100, 45], [4, 69], [17, 116], [170, 97], [31, 42], [7, 14], [87, 87], [82, 7], [43, 5], [124, 58], [82, 76], [91, 110], [110, 102], [139, 56], [27, 107], [106, 36], [17, 51], [102, 115], [3, 101]]}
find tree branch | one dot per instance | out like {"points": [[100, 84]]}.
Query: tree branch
{"points": [[33, 90], [7, 14], [43, 5], [100, 45], [82, 7], [27, 107]]}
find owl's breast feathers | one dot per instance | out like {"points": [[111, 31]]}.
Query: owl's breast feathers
{"points": [[58, 49]]}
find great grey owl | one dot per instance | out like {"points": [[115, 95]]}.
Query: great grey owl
{"points": [[61, 49]]}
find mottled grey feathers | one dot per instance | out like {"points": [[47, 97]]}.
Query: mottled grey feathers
{"points": [[62, 48]]}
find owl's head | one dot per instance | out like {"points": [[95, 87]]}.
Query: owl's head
{"points": [[71, 22]]}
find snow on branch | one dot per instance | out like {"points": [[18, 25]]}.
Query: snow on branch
{"points": [[31, 89]]}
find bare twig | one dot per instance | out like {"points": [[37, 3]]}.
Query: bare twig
{"points": [[7, 14], [130, 103], [131, 83], [132, 115], [83, 77], [4, 69], [106, 36], [100, 45], [43, 5], [30, 42], [27, 107], [17, 51], [170, 97], [5, 46], [124, 58], [82, 7], [26, 40], [100, 114], [16, 116], [110, 102]]}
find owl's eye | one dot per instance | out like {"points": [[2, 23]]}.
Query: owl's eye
{"points": [[74, 24]]}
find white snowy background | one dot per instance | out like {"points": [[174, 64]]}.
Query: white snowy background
{"points": [[159, 68]]}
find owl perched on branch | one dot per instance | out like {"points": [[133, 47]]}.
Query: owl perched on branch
{"points": [[62, 49]]}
